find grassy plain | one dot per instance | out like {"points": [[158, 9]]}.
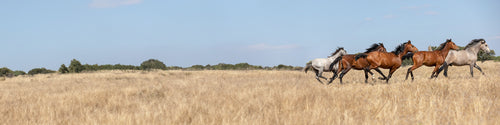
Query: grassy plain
{"points": [[251, 97]]}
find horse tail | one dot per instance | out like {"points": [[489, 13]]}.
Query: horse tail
{"points": [[362, 55], [308, 66], [407, 56]]}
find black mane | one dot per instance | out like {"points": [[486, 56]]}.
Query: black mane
{"points": [[441, 47], [337, 51], [373, 47], [399, 49], [473, 42]]}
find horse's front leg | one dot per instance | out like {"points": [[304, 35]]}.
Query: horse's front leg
{"points": [[471, 70], [434, 72], [478, 68], [333, 77]]}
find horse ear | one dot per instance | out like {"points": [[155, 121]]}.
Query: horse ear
{"points": [[409, 41]]}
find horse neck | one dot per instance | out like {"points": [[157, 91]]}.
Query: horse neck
{"points": [[445, 51], [400, 55], [475, 49]]}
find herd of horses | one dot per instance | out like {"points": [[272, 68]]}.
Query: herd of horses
{"points": [[375, 57]]}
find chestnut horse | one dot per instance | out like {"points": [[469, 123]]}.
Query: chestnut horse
{"points": [[387, 60], [348, 62], [430, 58]]}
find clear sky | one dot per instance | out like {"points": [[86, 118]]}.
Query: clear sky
{"points": [[48, 33]]}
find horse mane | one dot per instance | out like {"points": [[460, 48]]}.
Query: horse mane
{"points": [[336, 51], [399, 49], [373, 47], [441, 47], [473, 42]]}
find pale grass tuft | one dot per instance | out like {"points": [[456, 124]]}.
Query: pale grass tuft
{"points": [[251, 97]]}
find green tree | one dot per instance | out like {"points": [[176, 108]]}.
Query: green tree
{"points": [[483, 56], [63, 69], [5, 71], [153, 64], [75, 66], [40, 71], [19, 72]]}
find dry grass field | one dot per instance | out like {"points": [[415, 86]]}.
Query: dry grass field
{"points": [[251, 97]]}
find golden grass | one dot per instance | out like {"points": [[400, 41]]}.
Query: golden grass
{"points": [[251, 97]]}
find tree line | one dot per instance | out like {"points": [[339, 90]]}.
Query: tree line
{"points": [[76, 66]]}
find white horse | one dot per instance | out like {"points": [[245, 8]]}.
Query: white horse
{"points": [[468, 56], [330, 64]]}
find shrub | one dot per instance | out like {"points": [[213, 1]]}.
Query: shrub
{"points": [[153, 64], [75, 66], [63, 69], [5, 71], [40, 71]]}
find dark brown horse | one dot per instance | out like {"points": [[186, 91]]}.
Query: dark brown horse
{"points": [[430, 58], [348, 62], [387, 60]]}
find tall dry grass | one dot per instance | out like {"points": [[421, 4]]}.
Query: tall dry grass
{"points": [[250, 97]]}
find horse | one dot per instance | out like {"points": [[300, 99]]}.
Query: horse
{"points": [[430, 58], [348, 62], [468, 56], [326, 64], [387, 60]]}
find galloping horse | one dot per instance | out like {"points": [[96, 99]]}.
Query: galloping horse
{"points": [[348, 62], [468, 56], [326, 64], [387, 60], [430, 58]]}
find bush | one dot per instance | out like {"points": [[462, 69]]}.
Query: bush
{"points": [[75, 66], [407, 62], [40, 71], [63, 69], [19, 72], [153, 64], [6, 71]]}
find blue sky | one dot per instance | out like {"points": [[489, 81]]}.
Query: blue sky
{"points": [[49, 33]]}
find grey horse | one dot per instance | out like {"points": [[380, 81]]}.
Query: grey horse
{"points": [[467, 56], [330, 64]]}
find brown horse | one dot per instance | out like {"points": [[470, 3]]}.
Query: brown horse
{"points": [[387, 60], [348, 62], [430, 58]]}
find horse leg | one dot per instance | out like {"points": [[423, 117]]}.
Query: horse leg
{"points": [[410, 70], [371, 73], [471, 70], [445, 73], [390, 74], [434, 72], [366, 75], [317, 75], [333, 77], [441, 68], [478, 68], [342, 74], [380, 72]]}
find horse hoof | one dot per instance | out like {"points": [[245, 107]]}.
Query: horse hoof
{"points": [[382, 78]]}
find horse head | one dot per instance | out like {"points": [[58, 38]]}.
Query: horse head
{"points": [[484, 46], [381, 47], [410, 47], [451, 44]]}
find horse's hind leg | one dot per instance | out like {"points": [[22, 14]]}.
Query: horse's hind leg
{"points": [[317, 75], [478, 68], [371, 73]]}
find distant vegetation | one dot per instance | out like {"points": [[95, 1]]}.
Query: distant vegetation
{"points": [[153, 64]]}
